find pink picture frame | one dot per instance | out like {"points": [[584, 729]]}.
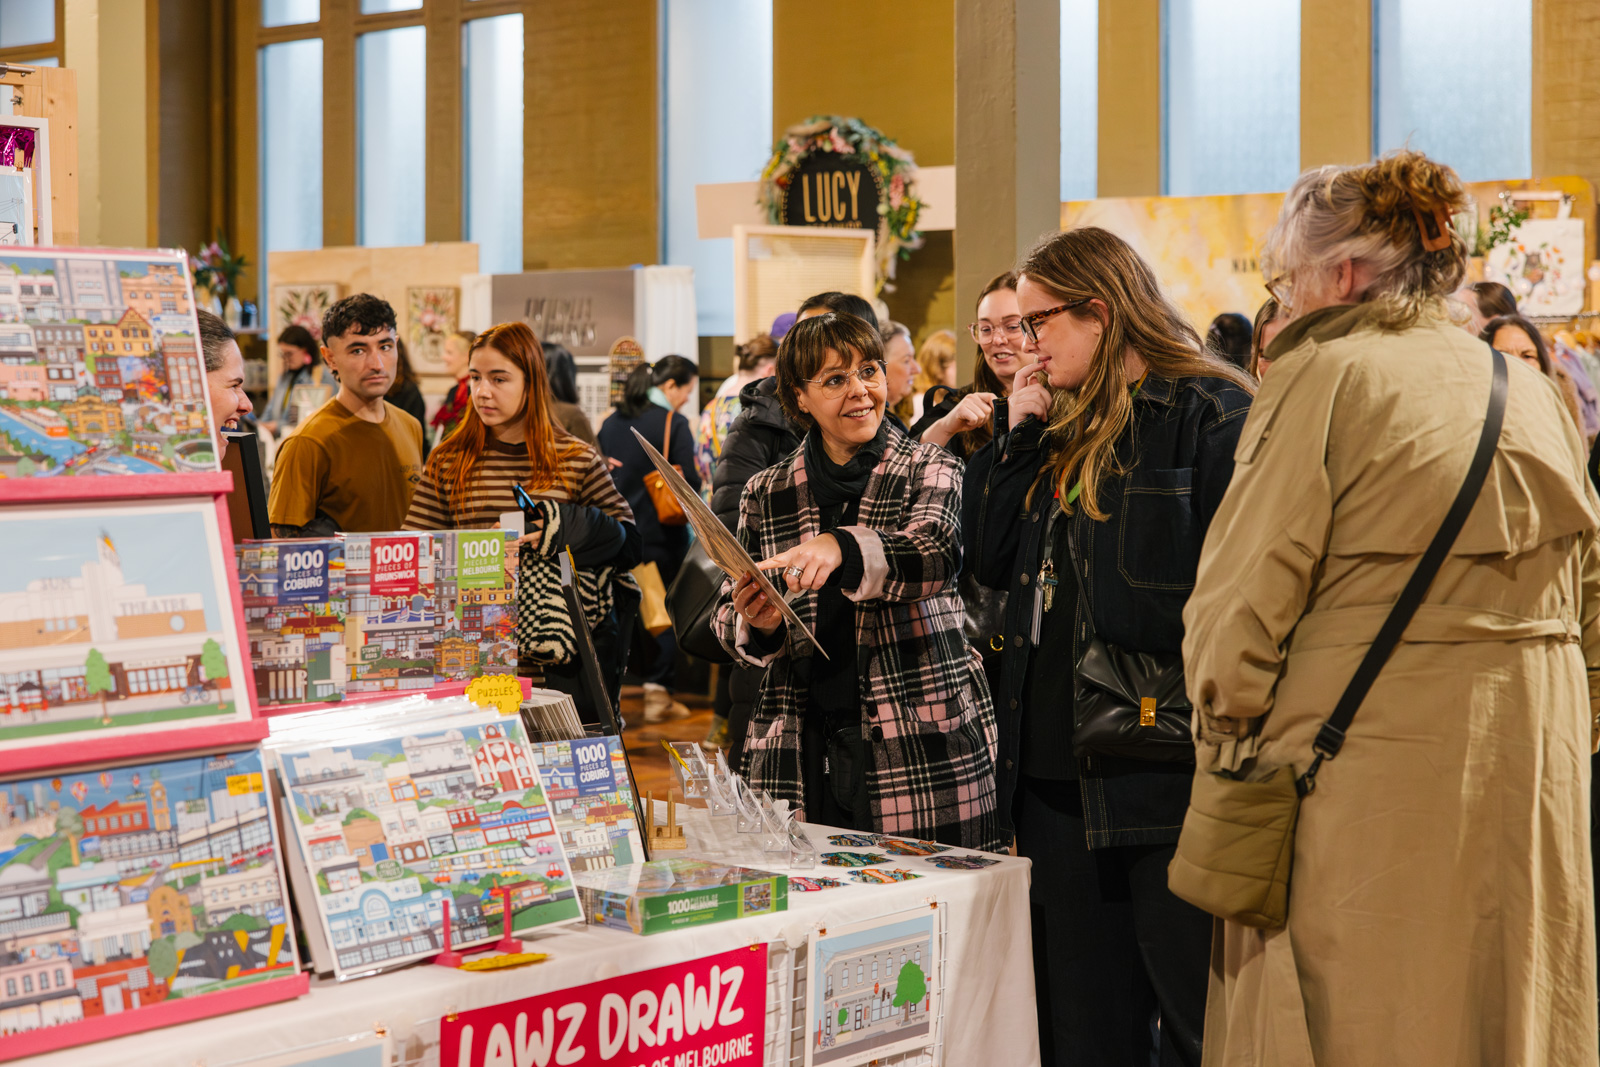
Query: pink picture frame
{"points": [[244, 729]]}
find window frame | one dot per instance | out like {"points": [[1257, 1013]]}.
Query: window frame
{"points": [[29, 54]]}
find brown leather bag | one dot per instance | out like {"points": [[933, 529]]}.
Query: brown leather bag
{"points": [[668, 511]]}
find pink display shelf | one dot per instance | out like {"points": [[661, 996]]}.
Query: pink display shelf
{"points": [[438, 692], [167, 1013], [71, 750]]}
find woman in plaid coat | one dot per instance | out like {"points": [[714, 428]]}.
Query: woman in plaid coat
{"points": [[892, 729]]}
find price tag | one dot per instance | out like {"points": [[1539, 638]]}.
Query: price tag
{"points": [[242, 784], [501, 691]]}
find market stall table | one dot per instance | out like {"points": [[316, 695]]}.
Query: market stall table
{"points": [[988, 978]]}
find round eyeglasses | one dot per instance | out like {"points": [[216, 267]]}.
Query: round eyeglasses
{"points": [[833, 386]]}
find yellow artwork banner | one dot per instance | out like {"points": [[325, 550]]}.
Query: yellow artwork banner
{"points": [[501, 691]]}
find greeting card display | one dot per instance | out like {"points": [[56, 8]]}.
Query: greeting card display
{"points": [[874, 989], [476, 614], [119, 619], [100, 368], [127, 890], [389, 625], [587, 783], [402, 819], [294, 609]]}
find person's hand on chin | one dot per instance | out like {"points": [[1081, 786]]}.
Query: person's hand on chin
{"points": [[1031, 396]]}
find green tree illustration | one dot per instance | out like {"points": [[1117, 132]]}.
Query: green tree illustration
{"points": [[212, 661], [98, 681], [844, 1017], [70, 823], [163, 958], [910, 988]]}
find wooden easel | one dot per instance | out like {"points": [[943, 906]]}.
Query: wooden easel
{"points": [[669, 836]]}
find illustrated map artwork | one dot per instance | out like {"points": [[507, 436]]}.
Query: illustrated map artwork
{"points": [[294, 609], [132, 886], [100, 371], [392, 828], [874, 989], [431, 316], [115, 617], [587, 783]]}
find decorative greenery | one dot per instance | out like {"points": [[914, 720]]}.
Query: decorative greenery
{"points": [[218, 269], [1503, 222], [854, 140]]}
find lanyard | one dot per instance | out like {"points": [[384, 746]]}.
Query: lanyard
{"points": [[1072, 494]]}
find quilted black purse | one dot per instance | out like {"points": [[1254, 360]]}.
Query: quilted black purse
{"points": [[1128, 704]]}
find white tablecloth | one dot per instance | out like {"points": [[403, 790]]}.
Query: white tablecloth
{"points": [[989, 1015]]}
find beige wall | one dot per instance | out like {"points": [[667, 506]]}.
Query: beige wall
{"points": [[107, 43], [890, 63], [1566, 88]]}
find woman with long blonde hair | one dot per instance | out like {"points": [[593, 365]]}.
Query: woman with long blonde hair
{"points": [[1090, 511]]}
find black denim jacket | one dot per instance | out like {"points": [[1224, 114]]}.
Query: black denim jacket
{"points": [[1175, 460]]}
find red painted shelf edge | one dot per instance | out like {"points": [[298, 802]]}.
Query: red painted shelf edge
{"points": [[165, 743], [167, 1013], [438, 692], [114, 487]]}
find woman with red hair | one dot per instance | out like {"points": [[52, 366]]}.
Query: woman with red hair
{"points": [[507, 438]]}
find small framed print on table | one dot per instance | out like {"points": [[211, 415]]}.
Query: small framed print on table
{"points": [[121, 624]]}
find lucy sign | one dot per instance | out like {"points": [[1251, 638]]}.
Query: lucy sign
{"points": [[709, 1012]]}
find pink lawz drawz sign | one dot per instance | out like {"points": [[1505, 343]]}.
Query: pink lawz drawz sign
{"points": [[394, 566], [709, 1012]]}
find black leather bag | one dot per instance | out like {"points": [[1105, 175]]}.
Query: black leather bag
{"points": [[692, 601], [1129, 704]]}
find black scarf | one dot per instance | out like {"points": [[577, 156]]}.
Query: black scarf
{"points": [[832, 484]]}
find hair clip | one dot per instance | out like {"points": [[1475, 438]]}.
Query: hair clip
{"points": [[1434, 228]]}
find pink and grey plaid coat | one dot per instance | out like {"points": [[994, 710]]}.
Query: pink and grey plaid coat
{"points": [[925, 706]]}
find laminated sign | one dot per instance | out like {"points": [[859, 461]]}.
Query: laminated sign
{"points": [[302, 575], [480, 560], [394, 566], [709, 1012]]}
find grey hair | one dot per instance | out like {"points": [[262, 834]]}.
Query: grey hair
{"points": [[214, 338], [1372, 214], [890, 329]]}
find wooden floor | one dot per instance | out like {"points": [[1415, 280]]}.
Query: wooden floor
{"points": [[651, 764]]}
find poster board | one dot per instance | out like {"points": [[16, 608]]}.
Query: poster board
{"points": [[874, 988], [776, 267]]}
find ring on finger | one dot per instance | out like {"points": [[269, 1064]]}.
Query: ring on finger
{"points": [[796, 572]]}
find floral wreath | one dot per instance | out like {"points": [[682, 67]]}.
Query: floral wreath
{"points": [[854, 140]]}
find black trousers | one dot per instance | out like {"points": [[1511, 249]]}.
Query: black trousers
{"points": [[1120, 964]]}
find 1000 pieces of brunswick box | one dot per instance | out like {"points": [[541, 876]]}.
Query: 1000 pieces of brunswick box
{"points": [[648, 898]]}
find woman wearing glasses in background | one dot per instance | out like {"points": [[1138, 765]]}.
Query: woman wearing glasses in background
{"points": [[890, 728], [1091, 511], [961, 420]]}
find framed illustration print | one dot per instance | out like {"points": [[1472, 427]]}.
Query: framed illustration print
{"points": [[874, 988], [431, 316], [120, 624], [1543, 266], [302, 305]]}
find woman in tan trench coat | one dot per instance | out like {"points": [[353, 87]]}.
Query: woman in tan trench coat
{"points": [[1441, 908]]}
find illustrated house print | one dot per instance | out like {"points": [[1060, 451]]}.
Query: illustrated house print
{"points": [[860, 986], [502, 764]]}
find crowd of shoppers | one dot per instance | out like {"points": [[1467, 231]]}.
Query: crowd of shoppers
{"points": [[1123, 563]]}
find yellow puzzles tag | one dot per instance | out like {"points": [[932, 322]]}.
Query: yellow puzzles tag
{"points": [[242, 784], [501, 691]]}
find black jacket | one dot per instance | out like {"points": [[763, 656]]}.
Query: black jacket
{"points": [[662, 544], [760, 436], [1177, 459]]}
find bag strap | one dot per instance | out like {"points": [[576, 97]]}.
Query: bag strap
{"points": [[666, 439], [1331, 737]]}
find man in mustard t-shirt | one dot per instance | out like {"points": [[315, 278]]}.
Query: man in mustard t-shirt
{"points": [[354, 464]]}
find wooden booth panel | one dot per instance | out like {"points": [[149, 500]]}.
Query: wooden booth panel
{"points": [[52, 93]]}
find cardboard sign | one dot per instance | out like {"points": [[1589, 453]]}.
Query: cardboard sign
{"points": [[709, 1012], [395, 565], [303, 573], [481, 560], [500, 691]]}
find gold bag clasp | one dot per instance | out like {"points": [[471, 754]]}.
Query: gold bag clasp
{"points": [[1147, 711]]}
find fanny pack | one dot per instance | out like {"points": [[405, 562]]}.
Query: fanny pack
{"points": [[1237, 845]]}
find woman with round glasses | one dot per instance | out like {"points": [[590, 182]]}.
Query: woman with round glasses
{"points": [[1091, 512], [961, 420], [887, 726]]}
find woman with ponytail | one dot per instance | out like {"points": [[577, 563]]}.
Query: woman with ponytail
{"points": [[508, 438], [1441, 906], [1090, 512]]}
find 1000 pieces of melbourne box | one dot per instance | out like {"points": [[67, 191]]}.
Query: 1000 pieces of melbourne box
{"points": [[416, 817], [649, 898], [134, 886], [376, 613]]}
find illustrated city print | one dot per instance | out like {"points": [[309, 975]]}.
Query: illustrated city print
{"points": [[100, 370], [873, 992], [389, 626], [114, 617], [124, 888], [394, 829], [476, 618], [587, 785], [294, 614]]}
